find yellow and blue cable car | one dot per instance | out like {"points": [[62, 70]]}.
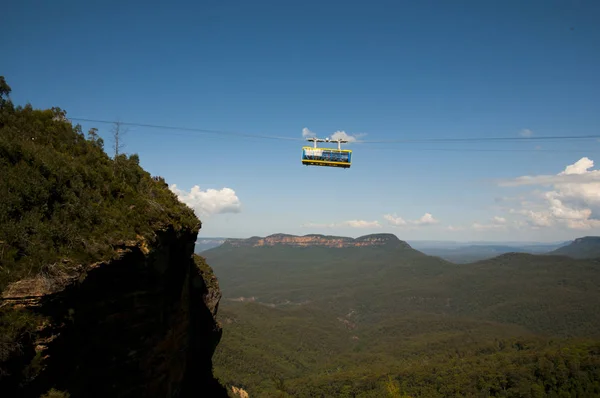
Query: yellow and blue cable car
{"points": [[313, 156]]}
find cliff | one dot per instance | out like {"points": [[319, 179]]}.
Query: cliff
{"points": [[141, 325], [101, 294], [315, 240]]}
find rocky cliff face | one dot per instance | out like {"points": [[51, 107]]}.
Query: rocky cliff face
{"points": [[317, 240], [140, 325]]}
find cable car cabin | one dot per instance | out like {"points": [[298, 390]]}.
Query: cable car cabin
{"points": [[326, 157]]}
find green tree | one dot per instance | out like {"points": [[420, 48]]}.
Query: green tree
{"points": [[5, 102], [95, 138], [4, 88]]}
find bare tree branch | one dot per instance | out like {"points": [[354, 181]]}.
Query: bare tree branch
{"points": [[118, 132]]}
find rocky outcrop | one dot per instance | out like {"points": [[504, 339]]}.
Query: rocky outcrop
{"points": [[317, 240], [140, 325]]}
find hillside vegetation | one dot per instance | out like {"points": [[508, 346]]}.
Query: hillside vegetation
{"points": [[64, 204], [472, 253], [361, 322], [586, 247], [64, 199]]}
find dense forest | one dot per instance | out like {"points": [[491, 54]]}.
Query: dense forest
{"points": [[274, 354], [63, 196], [66, 202], [391, 321]]}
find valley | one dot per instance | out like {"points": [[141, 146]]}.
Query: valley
{"points": [[463, 252], [316, 317]]}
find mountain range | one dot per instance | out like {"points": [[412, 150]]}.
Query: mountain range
{"points": [[316, 310], [457, 252], [208, 243]]}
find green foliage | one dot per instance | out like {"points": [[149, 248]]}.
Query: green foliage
{"points": [[544, 294], [34, 368], [66, 203], [206, 271], [586, 247], [95, 139], [308, 353], [64, 198], [392, 387], [365, 322], [4, 90], [15, 323], [54, 393]]}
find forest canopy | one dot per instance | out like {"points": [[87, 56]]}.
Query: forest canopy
{"points": [[65, 200]]}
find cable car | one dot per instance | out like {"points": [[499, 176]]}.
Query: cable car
{"points": [[313, 156]]}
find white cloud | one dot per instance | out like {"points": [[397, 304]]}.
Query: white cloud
{"points": [[548, 180], [394, 220], [526, 133], [427, 219], [583, 224], [362, 224], [580, 167], [344, 136], [560, 210], [576, 173], [572, 202], [209, 202], [306, 133], [455, 228], [349, 224], [534, 218], [495, 223]]}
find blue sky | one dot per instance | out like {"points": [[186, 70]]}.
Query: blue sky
{"points": [[389, 70]]}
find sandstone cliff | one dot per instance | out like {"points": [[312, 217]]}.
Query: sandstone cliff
{"points": [[141, 325], [100, 294], [318, 240]]}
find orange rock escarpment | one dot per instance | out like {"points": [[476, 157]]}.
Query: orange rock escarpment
{"points": [[316, 240]]}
